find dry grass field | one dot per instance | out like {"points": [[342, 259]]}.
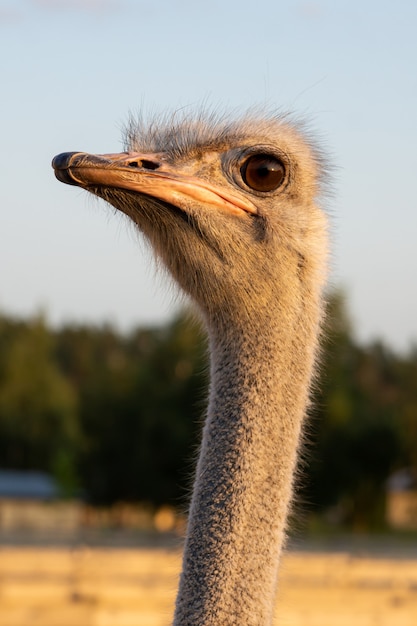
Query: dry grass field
{"points": [[126, 587]]}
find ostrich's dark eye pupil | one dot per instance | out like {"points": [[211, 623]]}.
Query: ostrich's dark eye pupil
{"points": [[263, 172]]}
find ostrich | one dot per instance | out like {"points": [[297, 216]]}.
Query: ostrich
{"points": [[230, 209]]}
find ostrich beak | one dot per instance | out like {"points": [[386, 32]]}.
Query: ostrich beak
{"points": [[147, 174]]}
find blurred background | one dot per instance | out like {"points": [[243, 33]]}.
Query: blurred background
{"points": [[102, 378]]}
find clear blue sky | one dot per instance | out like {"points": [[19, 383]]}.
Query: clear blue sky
{"points": [[70, 72]]}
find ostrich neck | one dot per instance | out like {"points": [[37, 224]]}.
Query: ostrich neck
{"points": [[259, 386]]}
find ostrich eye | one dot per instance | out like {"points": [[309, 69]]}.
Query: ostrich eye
{"points": [[263, 172]]}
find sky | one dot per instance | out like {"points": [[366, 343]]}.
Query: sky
{"points": [[72, 71]]}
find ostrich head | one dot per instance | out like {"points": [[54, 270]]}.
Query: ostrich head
{"points": [[229, 207]]}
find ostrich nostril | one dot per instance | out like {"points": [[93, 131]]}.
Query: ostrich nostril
{"points": [[145, 164], [149, 165]]}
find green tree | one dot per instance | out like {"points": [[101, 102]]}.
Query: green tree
{"points": [[139, 396], [120, 415], [38, 406], [358, 438]]}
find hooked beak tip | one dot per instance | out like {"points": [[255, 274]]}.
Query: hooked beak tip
{"points": [[61, 164]]}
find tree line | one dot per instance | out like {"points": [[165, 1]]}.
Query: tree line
{"points": [[117, 417]]}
